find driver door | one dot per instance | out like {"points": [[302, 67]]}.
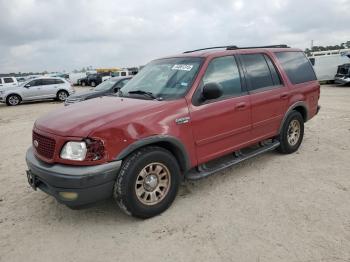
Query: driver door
{"points": [[222, 125], [32, 90]]}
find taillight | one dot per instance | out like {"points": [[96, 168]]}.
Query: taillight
{"points": [[95, 150]]}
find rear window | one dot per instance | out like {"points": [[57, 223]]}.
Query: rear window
{"points": [[297, 67]]}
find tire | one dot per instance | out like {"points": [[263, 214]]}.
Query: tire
{"points": [[292, 133], [83, 83], [13, 100], [62, 95], [133, 188], [93, 84]]}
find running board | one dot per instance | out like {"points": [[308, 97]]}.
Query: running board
{"points": [[219, 164]]}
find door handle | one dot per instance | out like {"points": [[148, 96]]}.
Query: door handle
{"points": [[241, 106], [284, 96]]}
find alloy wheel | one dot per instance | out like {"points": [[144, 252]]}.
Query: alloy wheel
{"points": [[293, 133], [152, 184]]}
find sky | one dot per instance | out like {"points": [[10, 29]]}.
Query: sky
{"points": [[57, 35]]}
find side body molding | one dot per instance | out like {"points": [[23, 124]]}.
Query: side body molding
{"points": [[292, 107]]}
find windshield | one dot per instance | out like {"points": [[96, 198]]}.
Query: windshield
{"points": [[108, 84], [168, 78]]}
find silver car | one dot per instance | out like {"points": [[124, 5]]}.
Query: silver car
{"points": [[37, 89]]}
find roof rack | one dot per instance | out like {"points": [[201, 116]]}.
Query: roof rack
{"points": [[233, 47]]}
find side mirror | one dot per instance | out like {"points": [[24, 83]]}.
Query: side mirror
{"points": [[116, 89], [211, 91]]}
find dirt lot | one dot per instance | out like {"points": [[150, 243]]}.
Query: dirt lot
{"points": [[272, 208]]}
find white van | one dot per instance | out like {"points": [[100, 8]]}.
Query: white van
{"points": [[326, 62], [8, 82]]}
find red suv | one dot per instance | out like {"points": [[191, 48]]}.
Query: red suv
{"points": [[182, 117]]}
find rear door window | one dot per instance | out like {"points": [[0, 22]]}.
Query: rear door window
{"points": [[297, 67], [258, 72]]}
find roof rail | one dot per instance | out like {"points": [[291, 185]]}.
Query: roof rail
{"points": [[233, 47], [214, 47]]}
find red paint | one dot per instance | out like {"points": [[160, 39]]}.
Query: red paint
{"points": [[214, 129]]}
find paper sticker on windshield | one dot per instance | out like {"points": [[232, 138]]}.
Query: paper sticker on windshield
{"points": [[182, 67]]}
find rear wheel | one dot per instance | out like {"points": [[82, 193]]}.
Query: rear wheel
{"points": [[13, 100], [62, 95], [93, 84], [83, 83], [292, 133], [147, 183]]}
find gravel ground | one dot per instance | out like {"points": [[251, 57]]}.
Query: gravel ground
{"points": [[271, 208]]}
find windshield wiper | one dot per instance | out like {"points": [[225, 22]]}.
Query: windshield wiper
{"points": [[141, 92]]}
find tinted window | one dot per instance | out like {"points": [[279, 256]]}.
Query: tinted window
{"points": [[36, 82], [58, 81], [0, 81], [8, 80], [47, 81], [224, 71], [275, 76], [258, 71], [297, 67], [312, 61], [123, 73]]}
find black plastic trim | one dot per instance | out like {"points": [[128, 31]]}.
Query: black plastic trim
{"points": [[181, 154]]}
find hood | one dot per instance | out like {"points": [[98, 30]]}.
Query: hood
{"points": [[80, 119], [87, 94]]}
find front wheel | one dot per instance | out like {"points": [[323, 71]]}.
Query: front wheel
{"points": [[147, 183], [13, 100], [62, 95], [292, 133], [93, 84]]}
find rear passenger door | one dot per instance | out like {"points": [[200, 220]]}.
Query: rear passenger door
{"points": [[222, 125], [268, 94]]}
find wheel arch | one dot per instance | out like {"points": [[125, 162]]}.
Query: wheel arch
{"points": [[20, 97], [62, 89], [170, 143], [300, 107]]}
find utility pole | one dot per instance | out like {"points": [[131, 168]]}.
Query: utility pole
{"points": [[312, 44]]}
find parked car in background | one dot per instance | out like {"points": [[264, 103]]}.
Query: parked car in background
{"points": [[110, 86], [181, 117], [91, 80], [21, 79], [75, 77], [325, 63], [343, 75], [37, 89], [8, 82]]}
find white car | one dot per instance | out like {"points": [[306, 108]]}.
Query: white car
{"points": [[8, 82], [37, 89]]}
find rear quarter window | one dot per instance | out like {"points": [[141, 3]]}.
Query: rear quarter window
{"points": [[297, 67]]}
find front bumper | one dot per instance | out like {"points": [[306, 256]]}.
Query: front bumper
{"points": [[89, 183], [342, 80]]}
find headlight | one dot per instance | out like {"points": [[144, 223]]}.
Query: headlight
{"points": [[74, 151]]}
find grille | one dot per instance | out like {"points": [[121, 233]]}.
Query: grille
{"points": [[45, 146]]}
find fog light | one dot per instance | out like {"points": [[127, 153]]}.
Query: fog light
{"points": [[68, 195]]}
